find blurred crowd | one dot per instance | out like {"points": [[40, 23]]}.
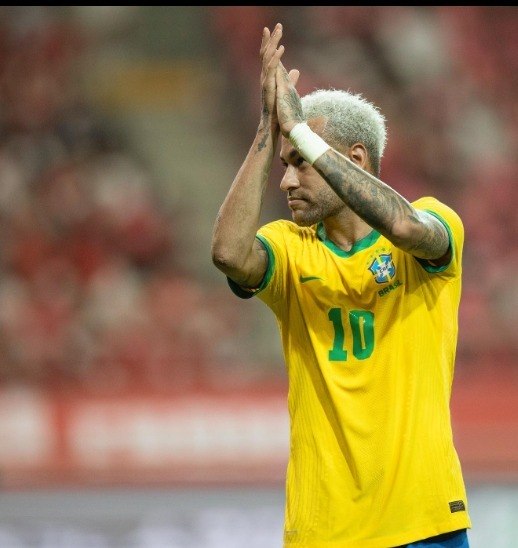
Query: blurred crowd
{"points": [[92, 294]]}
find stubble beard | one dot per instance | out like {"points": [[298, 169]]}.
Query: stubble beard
{"points": [[327, 206]]}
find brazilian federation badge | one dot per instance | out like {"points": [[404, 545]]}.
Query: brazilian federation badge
{"points": [[383, 268]]}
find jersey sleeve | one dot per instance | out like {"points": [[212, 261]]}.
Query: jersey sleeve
{"points": [[272, 288], [453, 224]]}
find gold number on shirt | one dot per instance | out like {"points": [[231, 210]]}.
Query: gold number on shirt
{"points": [[362, 328]]}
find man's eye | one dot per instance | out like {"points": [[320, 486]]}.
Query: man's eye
{"points": [[297, 163]]}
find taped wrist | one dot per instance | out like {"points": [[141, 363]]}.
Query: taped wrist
{"points": [[309, 145]]}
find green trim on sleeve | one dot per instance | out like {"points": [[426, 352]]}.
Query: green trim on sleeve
{"points": [[424, 262], [271, 262], [249, 293]]}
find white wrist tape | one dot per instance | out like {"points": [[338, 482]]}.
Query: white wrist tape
{"points": [[310, 145]]}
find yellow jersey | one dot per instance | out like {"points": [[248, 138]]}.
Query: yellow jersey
{"points": [[369, 338]]}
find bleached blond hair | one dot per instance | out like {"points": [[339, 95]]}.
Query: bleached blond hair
{"points": [[351, 119]]}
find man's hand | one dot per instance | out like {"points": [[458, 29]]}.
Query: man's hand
{"points": [[271, 54], [289, 107]]}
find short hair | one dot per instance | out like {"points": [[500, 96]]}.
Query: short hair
{"points": [[351, 119]]}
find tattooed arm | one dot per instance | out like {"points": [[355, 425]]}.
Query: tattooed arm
{"points": [[380, 206], [235, 251]]}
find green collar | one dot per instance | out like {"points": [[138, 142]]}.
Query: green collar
{"points": [[360, 245]]}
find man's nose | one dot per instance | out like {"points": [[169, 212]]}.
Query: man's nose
{"points": [[290, 179]]}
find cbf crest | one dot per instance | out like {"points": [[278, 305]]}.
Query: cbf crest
{"points": [[383, 268]]}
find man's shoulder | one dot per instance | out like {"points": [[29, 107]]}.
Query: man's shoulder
{"points": [[434, 204], [287, 229], [443, 211], [427, 201]]}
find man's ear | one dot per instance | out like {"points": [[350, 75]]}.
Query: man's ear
{"points": [[358, 154]]}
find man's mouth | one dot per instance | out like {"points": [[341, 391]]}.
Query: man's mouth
{"points": [[292, 198], [295, 203]]}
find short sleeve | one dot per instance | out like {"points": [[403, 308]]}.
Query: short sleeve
{"points": [[272, 288], [453, 224]]}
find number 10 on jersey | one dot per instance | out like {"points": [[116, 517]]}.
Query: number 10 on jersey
{"points": [[362, 328]]}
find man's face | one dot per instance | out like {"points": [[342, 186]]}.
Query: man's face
{"points": [[310, 198]]}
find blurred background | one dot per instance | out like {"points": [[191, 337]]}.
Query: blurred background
{"points": [[141, 403]]}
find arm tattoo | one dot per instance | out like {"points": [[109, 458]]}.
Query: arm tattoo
{"points": [[262, 143], [432, 243], [265, 114], [382, 207], [377, 204], [290, 107]]}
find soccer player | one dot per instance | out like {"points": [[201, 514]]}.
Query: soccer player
{"points": [[365, 287]]}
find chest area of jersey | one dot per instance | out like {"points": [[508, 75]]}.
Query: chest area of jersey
{"points": [[325, 279]]}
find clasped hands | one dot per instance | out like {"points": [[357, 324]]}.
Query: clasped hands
{"points": [[281, 102]]}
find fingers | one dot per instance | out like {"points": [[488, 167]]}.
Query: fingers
{"points": [[270, 43], [276, 57], [284, 79], [265, 40], [294, 76], [279, 77], [270, 67], [282, 74]]}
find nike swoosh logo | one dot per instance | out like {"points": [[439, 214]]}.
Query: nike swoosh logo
{"points": [[304, 279]]}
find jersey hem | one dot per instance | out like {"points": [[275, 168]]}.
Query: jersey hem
{"points": [[396, 540]]}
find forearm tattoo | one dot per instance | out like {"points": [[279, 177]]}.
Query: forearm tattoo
{"points": [[262, 142], [433, 243], [380, 206], [265, 116]]}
